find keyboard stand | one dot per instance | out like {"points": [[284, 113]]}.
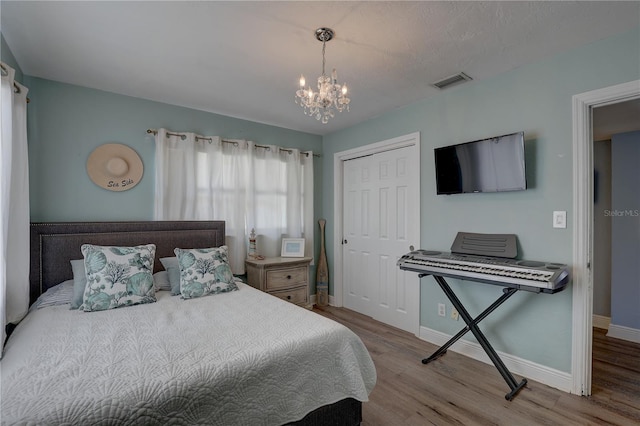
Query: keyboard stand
{"points": [[472, 325]]}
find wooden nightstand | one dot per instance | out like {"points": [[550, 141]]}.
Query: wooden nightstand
{"points": [[283, 277]]}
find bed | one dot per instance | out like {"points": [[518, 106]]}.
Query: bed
{"points": [[236, 358]]}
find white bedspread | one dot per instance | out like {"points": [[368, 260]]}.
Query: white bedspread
{"points": [[241, 358]]}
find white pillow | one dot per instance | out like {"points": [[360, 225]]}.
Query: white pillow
{"points": [[60, 294]]}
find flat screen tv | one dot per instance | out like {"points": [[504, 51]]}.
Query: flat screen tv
{"points": [[487, 165]]}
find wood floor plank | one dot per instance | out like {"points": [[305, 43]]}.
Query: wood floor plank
{"points": [[458, 390]]}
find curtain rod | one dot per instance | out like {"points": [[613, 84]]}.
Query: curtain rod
{"points": [[183, 136], [16, 88]]}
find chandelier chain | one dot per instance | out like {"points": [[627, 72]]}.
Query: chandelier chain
{"points": [[324, 44]]}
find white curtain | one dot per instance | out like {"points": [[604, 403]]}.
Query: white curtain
{"points": [[246, 185], [14, 201]]}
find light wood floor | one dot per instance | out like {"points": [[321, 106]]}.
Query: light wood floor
{"points": [[457, 390]]}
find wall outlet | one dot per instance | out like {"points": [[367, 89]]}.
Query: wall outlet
{"points": [[454, 314], [442, 310]]}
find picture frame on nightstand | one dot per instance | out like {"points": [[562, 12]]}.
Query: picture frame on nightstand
{"points": [[292, 247]]}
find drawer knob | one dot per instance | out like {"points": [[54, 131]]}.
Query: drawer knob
{"points": [[289, 297], [288, 277]]}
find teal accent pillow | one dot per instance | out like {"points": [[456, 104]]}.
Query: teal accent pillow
{"points": [[79, 283], [161, 281], [204, 272], [117, 276], [172, 267]]}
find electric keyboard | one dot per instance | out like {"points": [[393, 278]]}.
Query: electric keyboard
{"points": [[521, 274], [491, 259]]}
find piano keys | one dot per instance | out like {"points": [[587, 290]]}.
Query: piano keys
{"points": [[525, 275]]}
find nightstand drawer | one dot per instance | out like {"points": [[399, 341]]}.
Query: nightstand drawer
{"points": [[284, 278], [298, 295]]}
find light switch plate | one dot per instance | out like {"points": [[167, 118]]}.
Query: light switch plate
{"points": [[560, 219]]}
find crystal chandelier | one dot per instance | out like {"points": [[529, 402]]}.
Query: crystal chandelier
{"points": [[330, 94]]}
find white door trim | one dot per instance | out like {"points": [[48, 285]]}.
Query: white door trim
{"points": [[583, 224], [412, 139]]}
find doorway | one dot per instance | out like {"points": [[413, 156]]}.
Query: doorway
{"points": [[583, 105], [610, 368], [377, 214]]}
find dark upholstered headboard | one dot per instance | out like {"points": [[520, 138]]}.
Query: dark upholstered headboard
{"points": [[54, 245]]}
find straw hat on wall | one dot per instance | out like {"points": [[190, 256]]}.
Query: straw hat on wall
{"points": [[115, 167]]}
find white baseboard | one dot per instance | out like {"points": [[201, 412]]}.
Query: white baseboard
{"points": [[624, 333], [332, 301], [522, 367], [600, 321]]}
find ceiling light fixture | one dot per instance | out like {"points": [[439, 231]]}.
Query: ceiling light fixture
{"points": [[330, 94]]}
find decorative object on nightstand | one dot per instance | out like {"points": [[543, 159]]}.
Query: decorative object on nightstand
{"points": [[286, 278], [253, 248], [292, 247], [322, 273]]}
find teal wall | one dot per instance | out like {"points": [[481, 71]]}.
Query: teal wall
{"points": [[625, 230], [66, 123], [536, 99]]}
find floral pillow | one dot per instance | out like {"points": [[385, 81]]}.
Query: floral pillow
{"points": [[117, 276], [204, 271]]}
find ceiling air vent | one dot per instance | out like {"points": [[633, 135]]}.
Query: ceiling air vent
{"points": [[452, 80]]}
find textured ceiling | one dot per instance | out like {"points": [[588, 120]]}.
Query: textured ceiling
{"points": [[243, 59]]}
